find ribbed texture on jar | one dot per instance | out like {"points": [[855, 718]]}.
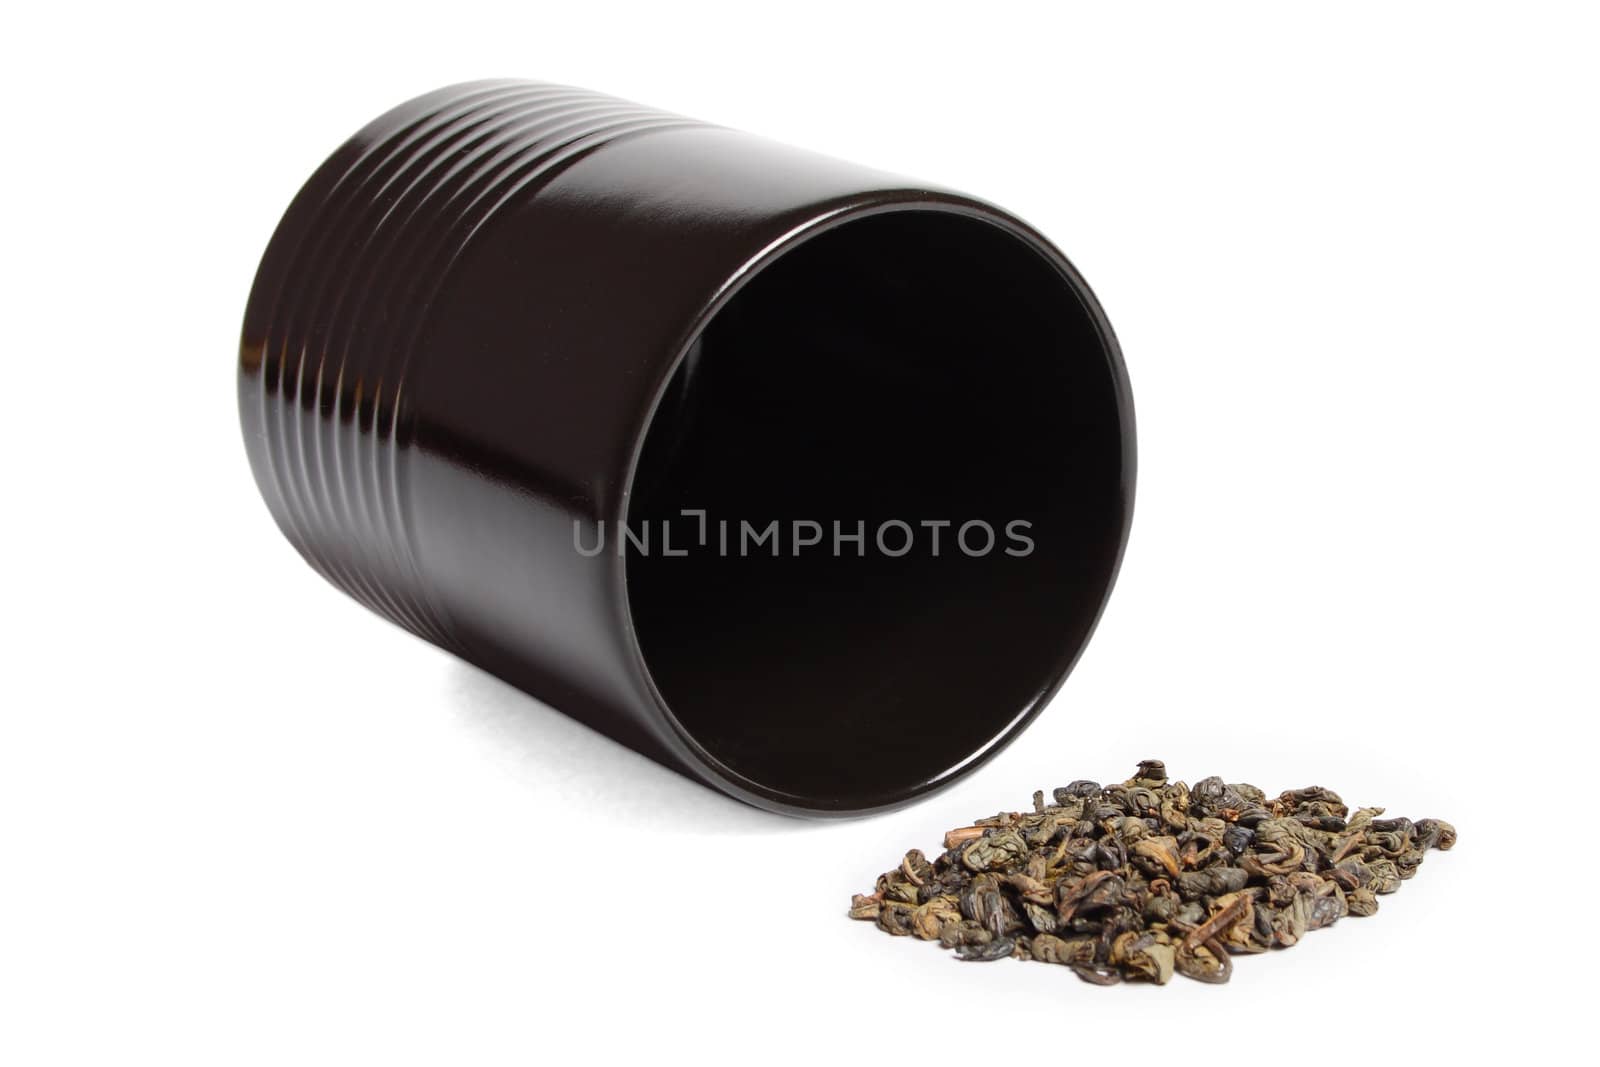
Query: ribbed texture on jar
{"points": [[335, 318]]}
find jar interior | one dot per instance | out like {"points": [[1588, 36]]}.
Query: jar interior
{"points": [[931, 383]]}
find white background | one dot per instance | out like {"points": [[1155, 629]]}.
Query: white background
{"points": [[1351, 254]]}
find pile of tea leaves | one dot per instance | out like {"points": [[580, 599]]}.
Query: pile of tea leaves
{"points": [[1152, 877]]}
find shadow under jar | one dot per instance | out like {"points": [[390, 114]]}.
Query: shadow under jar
{"points": [[803, 479]]}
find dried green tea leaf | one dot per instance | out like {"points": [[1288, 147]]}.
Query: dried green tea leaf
{"points": [[1150, 877]]}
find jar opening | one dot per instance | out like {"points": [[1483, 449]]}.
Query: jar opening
{"points": [[883, 500]]}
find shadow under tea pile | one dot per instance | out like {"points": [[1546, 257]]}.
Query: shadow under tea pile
{"points": [[1151, 877]]}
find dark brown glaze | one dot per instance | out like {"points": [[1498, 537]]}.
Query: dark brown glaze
{"points": [[469, 334]]}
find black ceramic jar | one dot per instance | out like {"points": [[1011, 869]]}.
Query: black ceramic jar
{"points": [[806, 480]]}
